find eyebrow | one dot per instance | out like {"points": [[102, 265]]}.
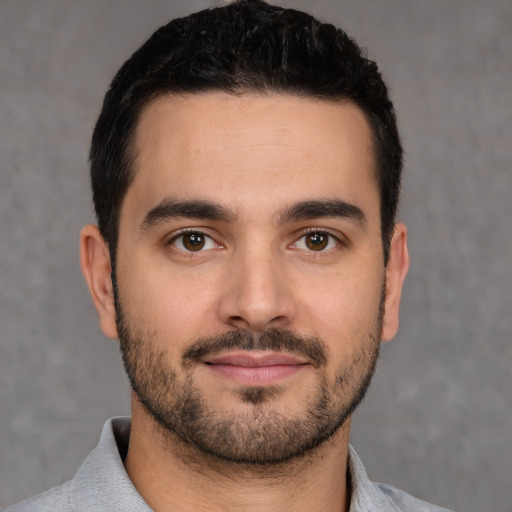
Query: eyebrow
{"points": [[195, 209], [306, 210], [207, 210]]}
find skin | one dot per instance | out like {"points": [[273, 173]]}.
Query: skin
{"points": [[255, 156]]}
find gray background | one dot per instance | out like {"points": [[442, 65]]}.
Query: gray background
{"points": [[438, 419]]}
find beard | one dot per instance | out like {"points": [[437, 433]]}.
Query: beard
{"points": [[259, 432]]}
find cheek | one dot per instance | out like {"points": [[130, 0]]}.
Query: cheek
{"points": [[167, 303], [344, 308]]}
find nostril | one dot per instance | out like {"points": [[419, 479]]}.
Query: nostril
{"points": [[238, 321], [278, 320]]}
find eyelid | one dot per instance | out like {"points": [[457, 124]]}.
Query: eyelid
{"points": [[188, 230], [340, 239]]}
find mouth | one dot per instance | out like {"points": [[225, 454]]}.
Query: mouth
{"points": [[255, 368]]}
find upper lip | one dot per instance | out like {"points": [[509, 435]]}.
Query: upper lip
{"points": [[255, 359]]}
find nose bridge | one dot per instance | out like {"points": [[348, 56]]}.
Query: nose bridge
{"points": [[257, 296]]}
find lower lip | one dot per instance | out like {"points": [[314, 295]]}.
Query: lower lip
{"points": [[256, 375]]}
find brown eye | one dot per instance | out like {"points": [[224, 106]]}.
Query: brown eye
{"points": [[193, 241], [317, 241]]}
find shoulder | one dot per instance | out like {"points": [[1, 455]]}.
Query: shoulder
{"points": [[399, 500], [92, 487], [368, 496], [54, 500], [100, 484]]}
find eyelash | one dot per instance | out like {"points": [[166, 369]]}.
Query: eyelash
{"points": [[183, 233], [322, 232], [208, 239]]}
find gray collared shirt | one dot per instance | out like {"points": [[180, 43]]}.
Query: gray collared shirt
{"points": [[102, 484]]}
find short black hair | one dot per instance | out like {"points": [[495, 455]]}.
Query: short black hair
{"points": [[247, 46]]}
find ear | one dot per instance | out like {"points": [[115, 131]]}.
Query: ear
{"points": [[97, 270], [396, 269]]}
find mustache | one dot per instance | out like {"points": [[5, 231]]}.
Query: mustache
{"points": [[274, 339]]}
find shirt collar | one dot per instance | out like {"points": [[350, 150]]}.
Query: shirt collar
{"points": [[102, 483]]}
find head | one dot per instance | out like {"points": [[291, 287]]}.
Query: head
{"points": [[246, 169], [245, 47]]}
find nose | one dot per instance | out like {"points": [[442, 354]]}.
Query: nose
{"points": [[257, 293]]}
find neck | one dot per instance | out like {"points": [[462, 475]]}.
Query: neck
{"points": [[172, 475]]}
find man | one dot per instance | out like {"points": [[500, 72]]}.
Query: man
{"points": [[246, 172]]}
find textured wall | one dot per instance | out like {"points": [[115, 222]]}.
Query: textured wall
{"points": [[438, 419]]}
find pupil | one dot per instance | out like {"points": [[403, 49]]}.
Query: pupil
{"points": [[193, 241], [317, 241]]}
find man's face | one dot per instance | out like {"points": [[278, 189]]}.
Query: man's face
{"points": [[250, 270]]}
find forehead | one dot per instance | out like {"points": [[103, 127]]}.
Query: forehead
{"points": [[251, 148]]}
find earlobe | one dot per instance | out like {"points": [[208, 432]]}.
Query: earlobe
{"points": [[396, 270], [97, 270]]}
